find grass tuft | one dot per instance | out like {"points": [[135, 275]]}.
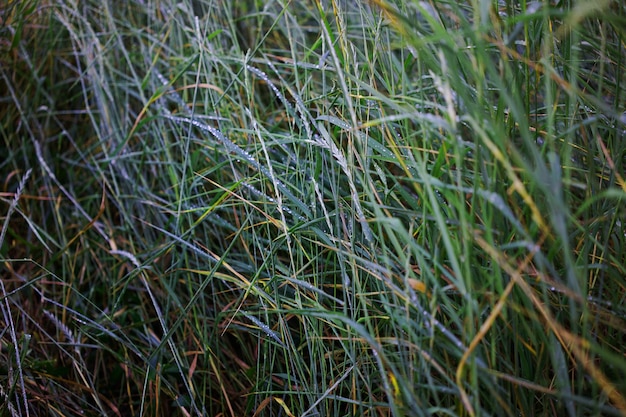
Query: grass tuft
{"points": [[312, 208]]}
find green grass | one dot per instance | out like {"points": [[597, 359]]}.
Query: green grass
{"points": [[303, 208]]}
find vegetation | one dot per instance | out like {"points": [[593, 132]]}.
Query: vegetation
{"points": [[313, 208]]}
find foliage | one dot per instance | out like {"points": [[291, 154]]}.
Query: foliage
{"points": [[311, 208]]}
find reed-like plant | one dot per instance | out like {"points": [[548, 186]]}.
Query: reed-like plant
{"points": [[313, 208]]}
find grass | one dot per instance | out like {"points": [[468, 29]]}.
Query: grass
{"points": [[313, 208]]}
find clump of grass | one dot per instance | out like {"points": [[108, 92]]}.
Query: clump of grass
{"points": [[335, 208]]}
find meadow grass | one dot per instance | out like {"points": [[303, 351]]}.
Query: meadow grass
{"points": [[313, 208]]}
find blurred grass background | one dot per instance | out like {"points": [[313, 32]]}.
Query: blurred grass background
{"points": [[312, 208]]}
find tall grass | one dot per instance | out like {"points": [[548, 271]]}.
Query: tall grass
{"points": [[313, 208]]}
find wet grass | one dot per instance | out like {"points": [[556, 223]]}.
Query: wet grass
{"points": [[312, 208]]}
